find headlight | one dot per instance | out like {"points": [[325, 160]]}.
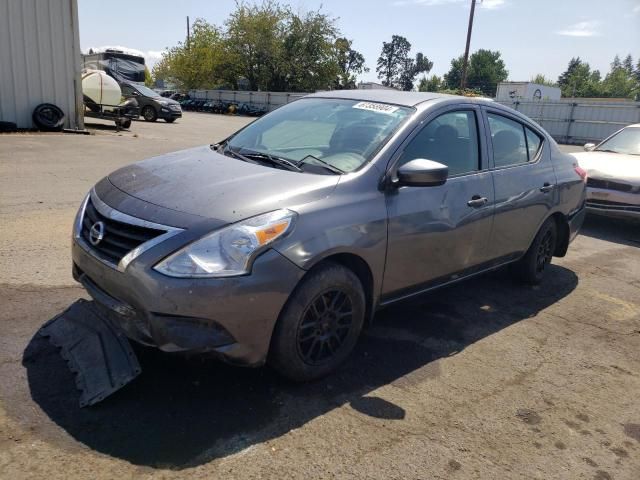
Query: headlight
{"points": [[163, 102], [228, 252]]}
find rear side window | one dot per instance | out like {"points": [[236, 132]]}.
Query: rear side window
{"points": [[509, 143], [533, 143], [451, 139]]}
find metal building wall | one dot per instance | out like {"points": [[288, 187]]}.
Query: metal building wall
{"points": [[577, 120], [39, 59]]}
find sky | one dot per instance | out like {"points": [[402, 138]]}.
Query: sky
{"points": [[533, 36]]}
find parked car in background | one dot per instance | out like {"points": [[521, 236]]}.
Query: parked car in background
{"points": [[613, 168], [152, 105], [279, 243]]}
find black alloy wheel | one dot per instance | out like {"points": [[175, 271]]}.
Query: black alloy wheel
{"points": [[325, 326]]}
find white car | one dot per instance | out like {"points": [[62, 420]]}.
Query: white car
{"points": [[613, 169]]}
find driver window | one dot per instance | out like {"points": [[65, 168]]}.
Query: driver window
{"points": [[451, 139]]}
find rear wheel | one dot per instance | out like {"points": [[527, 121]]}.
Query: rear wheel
{"points": [[149, 113], [320, 324], [531, 267]]}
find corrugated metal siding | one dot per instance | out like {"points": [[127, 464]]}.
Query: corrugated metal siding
{"points": [[579, 121], [39, 59]]}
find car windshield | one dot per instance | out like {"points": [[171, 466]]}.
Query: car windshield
{"points": [[327, 133], [625, 141], [147, 92]]}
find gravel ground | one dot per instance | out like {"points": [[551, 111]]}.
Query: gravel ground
{"points": [[486, 379]]}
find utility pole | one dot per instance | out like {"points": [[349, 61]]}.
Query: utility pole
{"points": [[463, 82], [188, 34]]}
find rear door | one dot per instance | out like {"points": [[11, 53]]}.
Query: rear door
{"points": [[524, 179], [437, 233]]}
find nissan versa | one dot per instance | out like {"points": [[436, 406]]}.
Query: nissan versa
{"points": [[279, 243]]}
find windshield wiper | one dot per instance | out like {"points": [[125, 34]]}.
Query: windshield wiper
{"points": [[226, 150], [282, 162], [324, 164]]}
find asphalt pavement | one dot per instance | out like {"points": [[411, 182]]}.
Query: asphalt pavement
{"points": [[485, 379]]}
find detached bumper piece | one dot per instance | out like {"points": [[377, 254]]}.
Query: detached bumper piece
{"points": [[96, 351]]}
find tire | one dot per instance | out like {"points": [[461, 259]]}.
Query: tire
{"points": [[149, 114], [531, 268], [320, 324], [8, 127], [169, 120], [126, 123], [48, 117]]}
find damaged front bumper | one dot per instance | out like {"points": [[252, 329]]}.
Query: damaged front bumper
{"points": [[232, 318]]}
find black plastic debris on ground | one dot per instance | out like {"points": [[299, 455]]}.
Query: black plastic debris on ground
{"points": [[96, 351]]}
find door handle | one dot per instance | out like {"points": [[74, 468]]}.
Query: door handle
{"points": [[546, 188], [477, 201]]}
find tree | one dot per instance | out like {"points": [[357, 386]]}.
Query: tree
{"points": [[432, 84], [196, 65], [486, 69], [396, 68], [308, 52], [393, 59], [148, 79], [540, 79], [350, 63], [621, 82], [254, 39], [421, 64], [578, 80]]}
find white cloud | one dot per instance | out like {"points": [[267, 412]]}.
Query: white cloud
{"points": [[581, 29], [153, 55], [636, 9], [493, 4]]}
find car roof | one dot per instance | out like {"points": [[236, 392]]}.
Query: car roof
{"points": [[397, 97]]}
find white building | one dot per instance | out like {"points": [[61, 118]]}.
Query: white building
{"points": [[526, 91], [39, 60]]}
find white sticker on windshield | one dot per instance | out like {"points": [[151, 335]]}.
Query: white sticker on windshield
{"points": [[376, 107]]}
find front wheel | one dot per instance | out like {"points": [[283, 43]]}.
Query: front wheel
{"points": [[530, 268], [149, 114], [320, 325]]}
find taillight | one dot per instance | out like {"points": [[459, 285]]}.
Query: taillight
{"points": [[582, 172]]}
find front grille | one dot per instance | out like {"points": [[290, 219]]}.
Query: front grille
{"points": [[608, 185], [119, 237], [607, 205]]}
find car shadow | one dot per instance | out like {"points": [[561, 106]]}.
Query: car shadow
{"points": [[625, 232], [182, 412]]}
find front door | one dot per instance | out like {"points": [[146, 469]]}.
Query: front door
{"points": [[436, 234]]}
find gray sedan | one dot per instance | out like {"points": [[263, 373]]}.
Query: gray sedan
{"points": [[278, 244]]}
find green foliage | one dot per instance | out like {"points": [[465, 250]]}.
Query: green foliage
{"points": [[264, 46], [148, 79], [579, 80], [485, 70], [431, 84], [350, 64], [540, 79], [196, 64], [396, 68]]}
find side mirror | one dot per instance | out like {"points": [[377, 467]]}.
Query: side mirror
{"points": [[422, 173], [588, 147]]}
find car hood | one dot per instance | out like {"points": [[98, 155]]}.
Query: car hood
{"points": [[611, 166], [207, 184]]}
